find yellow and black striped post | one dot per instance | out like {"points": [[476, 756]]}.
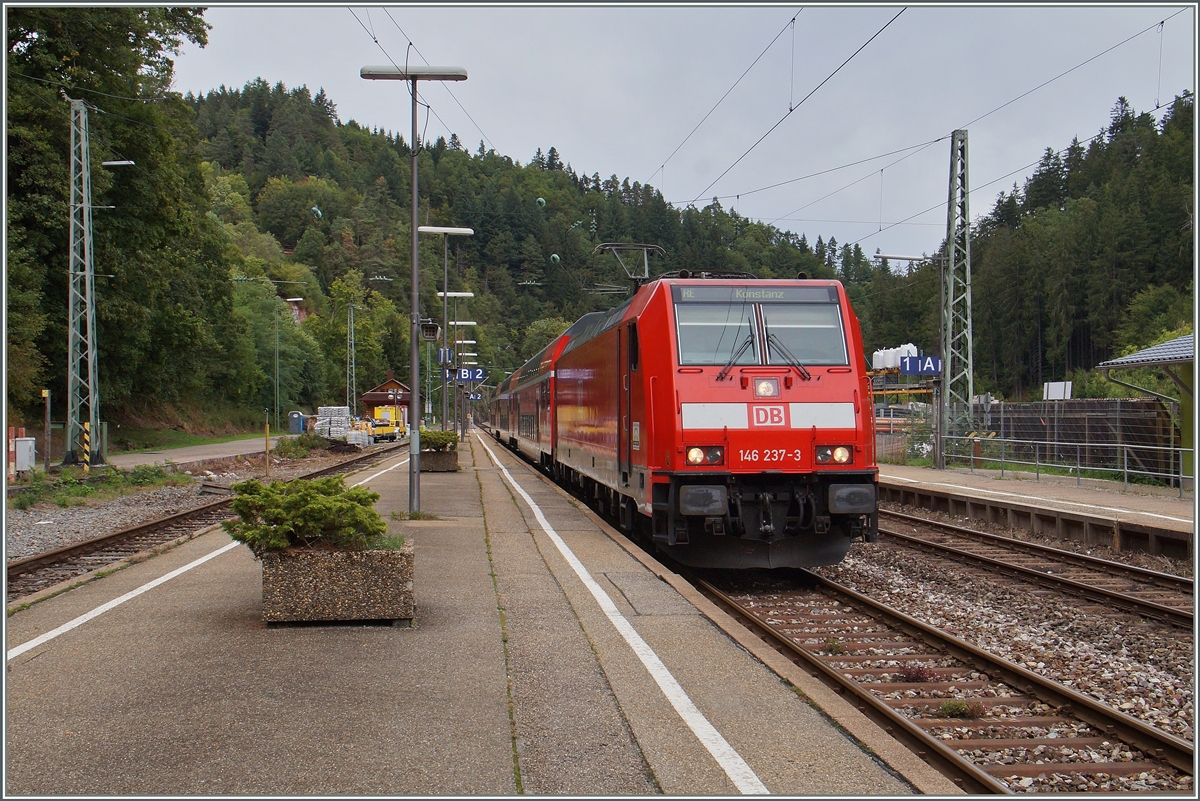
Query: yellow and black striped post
{"points": [[87, 447]]}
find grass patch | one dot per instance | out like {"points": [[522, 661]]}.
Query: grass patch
{"points": [[136, 439], [414, 516], [300, 446], [961, 708], [833, 645], [389, 542], [73, 487]]}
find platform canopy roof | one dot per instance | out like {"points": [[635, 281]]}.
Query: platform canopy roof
{"points": [[1176, 351]]}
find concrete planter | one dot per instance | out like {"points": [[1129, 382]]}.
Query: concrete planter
{"points": [[439, 461], [311, 584]]}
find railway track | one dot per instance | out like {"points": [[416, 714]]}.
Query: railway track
{"points": [[1160, 596], [990, 725], [35, 573]]}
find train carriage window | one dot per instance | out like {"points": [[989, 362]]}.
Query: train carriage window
{"points": [[711, 333], [812, 332]]}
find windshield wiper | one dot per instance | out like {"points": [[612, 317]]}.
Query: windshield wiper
{"points": [[737, 355], [773, 341]]}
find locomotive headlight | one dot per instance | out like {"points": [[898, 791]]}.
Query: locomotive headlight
{"points": [[839, 454], [714, 454], [766, 387]]}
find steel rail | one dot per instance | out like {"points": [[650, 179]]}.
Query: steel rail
{"points": [[932, 750], [1150, 740], [1167, 614], [1165, 580], [1155, 743], [22, 566]]}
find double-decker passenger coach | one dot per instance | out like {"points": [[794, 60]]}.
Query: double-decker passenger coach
{"points": [[727, 420]]}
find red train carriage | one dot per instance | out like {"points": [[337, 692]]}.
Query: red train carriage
{"points": [[499, 407], [729, 420], [522, 408]]}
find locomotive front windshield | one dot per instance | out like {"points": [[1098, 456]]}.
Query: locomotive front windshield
{"points": [[719, 325], [812, 332]]}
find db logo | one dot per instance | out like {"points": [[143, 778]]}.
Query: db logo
{"points": [[768, 415]]}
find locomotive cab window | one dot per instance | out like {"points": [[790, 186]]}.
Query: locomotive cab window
{"points": [[721, 325], [711, 333], [812, 332]]}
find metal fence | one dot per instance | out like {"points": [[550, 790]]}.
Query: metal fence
{"points": [[1128, 440], [1116, 462]]}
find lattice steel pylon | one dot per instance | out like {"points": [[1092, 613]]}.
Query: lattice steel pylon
{"points": [[351, 375], [958, 382], [83, 389]]}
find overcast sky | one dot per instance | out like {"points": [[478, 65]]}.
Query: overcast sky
{"points": [[618, 90]]}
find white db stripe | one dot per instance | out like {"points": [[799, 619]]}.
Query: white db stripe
{"points": [[734, 766], [99, 610], [714, 415], [822, 415]]}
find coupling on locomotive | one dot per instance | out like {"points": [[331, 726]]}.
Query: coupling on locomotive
{"points": [[727, 420]]}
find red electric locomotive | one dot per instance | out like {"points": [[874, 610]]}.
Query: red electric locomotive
{"points": [[728, 420]]}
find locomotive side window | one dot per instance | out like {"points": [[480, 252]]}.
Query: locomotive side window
{"points": [[711, 333], [812, 332], [633, 346]]}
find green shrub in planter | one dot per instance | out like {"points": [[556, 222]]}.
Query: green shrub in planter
{"points": [[319, 513], [438, 440]]}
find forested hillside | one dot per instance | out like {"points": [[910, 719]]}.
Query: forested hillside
{"points": [[244, 196]]}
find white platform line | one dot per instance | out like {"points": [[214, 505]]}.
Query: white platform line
{"points": [[1043, 499], [380, 473], [730, 761], [99, 610]]}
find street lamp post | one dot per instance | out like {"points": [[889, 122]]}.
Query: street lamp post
{"points": [[446, 293], [445, 344], [414, 74], [456, 323], [457, 354]]}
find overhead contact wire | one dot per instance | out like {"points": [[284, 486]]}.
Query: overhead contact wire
{"points": [[921, 147], [791, 24], [798, 105]]}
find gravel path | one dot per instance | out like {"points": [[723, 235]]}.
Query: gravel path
{"points": [[1145, 670], [46, 527]]}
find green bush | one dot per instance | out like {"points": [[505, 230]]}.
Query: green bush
{"points": [[299, 446], [438, 440], [24, 499], [144, 475], [323, 512]]}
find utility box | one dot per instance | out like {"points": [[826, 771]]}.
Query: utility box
{"points": [[295, 423], [26, 454]]}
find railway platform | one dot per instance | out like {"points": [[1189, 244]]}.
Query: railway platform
{"points": [[1156, 520], [548, 656]]}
